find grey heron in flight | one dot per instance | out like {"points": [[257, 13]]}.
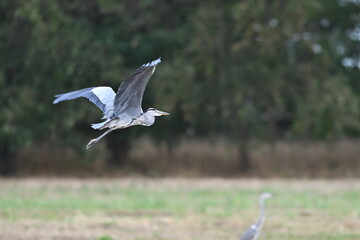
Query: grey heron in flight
{"points": [[123, 109], [254, 231]]}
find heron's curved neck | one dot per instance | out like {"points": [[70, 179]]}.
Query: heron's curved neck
{"points": [[148, 118], [262, 212]]}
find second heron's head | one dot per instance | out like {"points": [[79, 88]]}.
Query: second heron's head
{"points": [[156, 113], [266, 195]]}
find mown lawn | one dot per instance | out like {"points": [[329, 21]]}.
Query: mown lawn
{"points": [[154, 209]]}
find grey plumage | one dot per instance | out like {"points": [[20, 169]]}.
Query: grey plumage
{"points": [[123, 109], [130, 93], [254, 231], [250, 233]]}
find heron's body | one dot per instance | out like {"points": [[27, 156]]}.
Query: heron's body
{"points": [[254, 231], [125, 121], [123, 109]]}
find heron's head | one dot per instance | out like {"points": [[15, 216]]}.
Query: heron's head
{"points": [[266, 195], [156, 113]]}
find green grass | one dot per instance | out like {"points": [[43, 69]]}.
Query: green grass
{"points": [[229, 202], [304, 211]]}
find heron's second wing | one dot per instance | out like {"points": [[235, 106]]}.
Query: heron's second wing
{"points": [[130, 93], [102, 97], [249, 234]]}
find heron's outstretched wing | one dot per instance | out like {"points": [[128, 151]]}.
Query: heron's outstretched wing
{"points": [[102, 97], [250, 233], [130, 93]]}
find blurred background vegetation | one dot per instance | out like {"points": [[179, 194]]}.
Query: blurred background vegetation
{"points": [[254, 87]]}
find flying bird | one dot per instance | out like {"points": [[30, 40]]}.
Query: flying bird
{"points": [[254, 231], [123, 109]]}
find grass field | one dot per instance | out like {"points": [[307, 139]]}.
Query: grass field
{"points": [[174, 209]]}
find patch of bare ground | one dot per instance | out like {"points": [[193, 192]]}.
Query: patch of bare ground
{"points": [[185, 183], [190, 227]]}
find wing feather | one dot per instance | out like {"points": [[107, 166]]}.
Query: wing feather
{"points": [[102, 97], [130, 93]]}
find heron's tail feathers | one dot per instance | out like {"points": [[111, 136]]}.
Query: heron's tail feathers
{"points": [[99, 125]]}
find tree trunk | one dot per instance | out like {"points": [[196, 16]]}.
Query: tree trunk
{"points": [[170, 143], [8, 164], [119, 148], [272, 133], [244, 158]]}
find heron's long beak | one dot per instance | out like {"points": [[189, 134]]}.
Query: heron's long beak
{"points": [[163, 113]]}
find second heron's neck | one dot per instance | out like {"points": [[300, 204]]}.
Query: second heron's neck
{"points": [[262, 212]]}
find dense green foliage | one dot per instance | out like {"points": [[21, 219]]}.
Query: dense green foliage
{"points": [[241, 69]]}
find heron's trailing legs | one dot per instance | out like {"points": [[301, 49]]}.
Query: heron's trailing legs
{"points": [[95, 140]]}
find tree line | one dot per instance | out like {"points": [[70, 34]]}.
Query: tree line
{"points": [[244, 70]]}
